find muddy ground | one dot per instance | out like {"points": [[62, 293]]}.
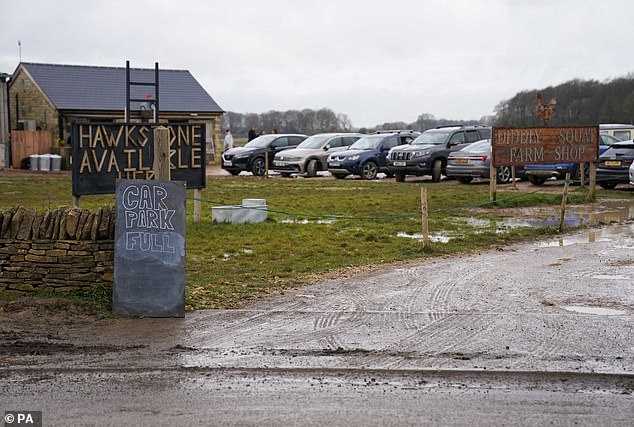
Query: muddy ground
{"points": [[530, 334], [537, 333]]}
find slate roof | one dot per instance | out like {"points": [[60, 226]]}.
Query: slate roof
{"points": [[74, 87]]}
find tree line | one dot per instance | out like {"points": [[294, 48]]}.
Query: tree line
{"points": [[579, 102]]}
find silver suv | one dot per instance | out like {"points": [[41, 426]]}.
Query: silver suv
{"points": [[310, 156]]}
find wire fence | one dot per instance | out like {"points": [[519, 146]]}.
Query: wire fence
{"points": [[387, 217]]}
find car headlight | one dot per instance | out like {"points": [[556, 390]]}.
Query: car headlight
{"points": [[241, 155], [355, 157], [421, 153]]}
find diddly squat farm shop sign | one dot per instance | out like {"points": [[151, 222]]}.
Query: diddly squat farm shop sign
{"points": [[543, 145]]}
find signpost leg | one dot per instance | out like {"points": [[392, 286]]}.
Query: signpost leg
{"points": [[563, 203], [492, 182], [593, 181], [161, 154]]}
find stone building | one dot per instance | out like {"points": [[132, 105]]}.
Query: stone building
{"points": [[53, 97]]}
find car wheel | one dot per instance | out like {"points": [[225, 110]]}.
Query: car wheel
{"points": [[608, 185], [503, 174], [234, 172], [258, 167], [311, 168], [465, 179], [340, 175], [436, 170], [536, 180], [576, 174], [370, 170], [400, 177]]}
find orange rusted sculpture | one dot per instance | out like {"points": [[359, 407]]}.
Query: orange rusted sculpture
{"points": [[545, 111]]}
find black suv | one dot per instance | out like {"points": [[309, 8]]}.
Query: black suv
{"points": [[427, 154], [252, 156]]}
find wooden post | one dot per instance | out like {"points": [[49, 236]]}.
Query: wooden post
{"points": [[266, 161], [424, 217], [161, 153], [564, 197], [76, 201], [197, 204], [492, 180], [593, 181], [513, 178], [582, 174]]}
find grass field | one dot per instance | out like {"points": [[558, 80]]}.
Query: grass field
{"points": [[316, 228]]}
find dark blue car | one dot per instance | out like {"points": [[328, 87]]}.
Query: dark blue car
{"points": [[368, 156], [538, 174]]}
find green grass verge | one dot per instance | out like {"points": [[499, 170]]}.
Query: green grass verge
{"points": [[316, 228]]}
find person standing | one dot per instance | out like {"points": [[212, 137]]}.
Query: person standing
{"points": [[252, 133], [228, 142]]}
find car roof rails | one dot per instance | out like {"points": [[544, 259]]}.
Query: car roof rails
{"points": [[394, 131]]}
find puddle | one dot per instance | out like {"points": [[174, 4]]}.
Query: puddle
{"points": [[307, 221], [436, 238], [594, 310], [616, 232]]}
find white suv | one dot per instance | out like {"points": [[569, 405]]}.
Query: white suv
{"points": [[310, 156]]}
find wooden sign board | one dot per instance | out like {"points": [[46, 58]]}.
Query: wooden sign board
{"points": [[149, 254], [105, 152], [544, 145]]}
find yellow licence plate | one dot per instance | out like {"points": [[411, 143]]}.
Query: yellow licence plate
{"points": [[462, 161], [613, 163]]}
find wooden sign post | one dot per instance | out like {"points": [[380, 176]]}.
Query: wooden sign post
{"points": [[424, 217]]}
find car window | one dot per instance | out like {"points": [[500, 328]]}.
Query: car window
{"points": [[335, 142], [472, 136], [608, 139], [280, 142], [349, 140], [485, 133], [392, 141], [406, 139], [622, 134], [457, 138], [295, 140]]}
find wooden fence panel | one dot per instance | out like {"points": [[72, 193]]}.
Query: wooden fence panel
{"points": [[26, 142]]}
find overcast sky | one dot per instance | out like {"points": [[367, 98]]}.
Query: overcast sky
{"points": [[373, 61]]}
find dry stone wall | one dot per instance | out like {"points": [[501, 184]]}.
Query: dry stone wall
{"points": [[64, 249]]}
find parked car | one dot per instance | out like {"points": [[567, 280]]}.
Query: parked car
{"points": [[252, 156], [614, 164], [368, 155], [427, 154], [632, 173], [620, 131], [538, 174], [474, 161], [311, 155]]}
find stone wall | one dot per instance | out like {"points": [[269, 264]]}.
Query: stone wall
{"points": [[64, 249], [29, 103]]}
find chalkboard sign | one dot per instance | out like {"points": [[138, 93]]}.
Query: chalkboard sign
{"points": [[149, 254], [106, 152]]}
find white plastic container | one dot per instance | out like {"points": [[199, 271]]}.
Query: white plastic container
{"points": [[56, 162], [45, 162], [35, 162]]}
